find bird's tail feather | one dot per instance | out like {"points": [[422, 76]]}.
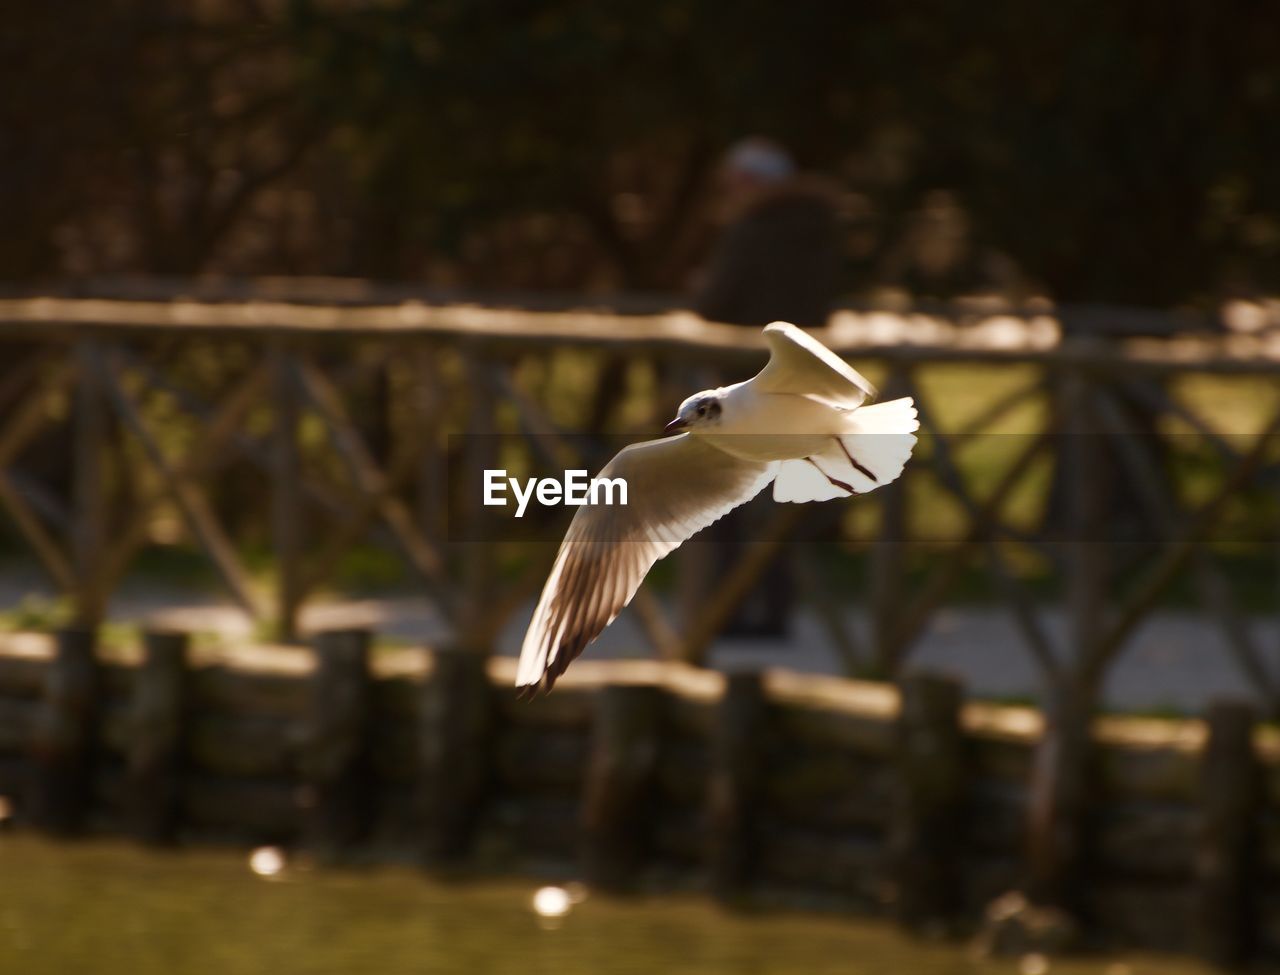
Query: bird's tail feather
{"points": [[871, 454]]}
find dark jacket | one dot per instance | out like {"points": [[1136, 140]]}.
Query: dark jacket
{"points": [[778, 261]]}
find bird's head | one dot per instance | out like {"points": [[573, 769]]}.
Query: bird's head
{"points": [[699, 411]]}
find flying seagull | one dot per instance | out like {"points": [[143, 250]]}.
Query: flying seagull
{"points": [[800, 423]]}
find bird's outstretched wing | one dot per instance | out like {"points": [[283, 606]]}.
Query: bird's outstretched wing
{"points": [[675, 488], [802, 365]]}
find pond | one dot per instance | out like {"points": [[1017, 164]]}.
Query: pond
{"points": [[110, 909]]}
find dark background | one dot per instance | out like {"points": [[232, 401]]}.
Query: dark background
{"points": [[1093, 151]]}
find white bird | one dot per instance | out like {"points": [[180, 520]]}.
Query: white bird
{"points": [[799, 423]]}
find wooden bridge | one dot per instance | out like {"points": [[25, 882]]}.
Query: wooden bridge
{"points": [[268, 420]]}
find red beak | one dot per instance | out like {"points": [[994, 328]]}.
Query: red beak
{"points": [[675, 426]]}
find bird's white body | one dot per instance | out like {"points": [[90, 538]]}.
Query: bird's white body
{"points": [[799, 424], [764, 426]]}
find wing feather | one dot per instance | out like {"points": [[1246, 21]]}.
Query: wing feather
{"points": [[675, 488], [801, 365]]}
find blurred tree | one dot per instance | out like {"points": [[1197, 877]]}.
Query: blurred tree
{"points": [[603, 121], [1113, 152], [143, 132], [1123, 152]]}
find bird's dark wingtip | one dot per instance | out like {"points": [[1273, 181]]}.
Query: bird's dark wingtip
{"points": [[529, 692]]}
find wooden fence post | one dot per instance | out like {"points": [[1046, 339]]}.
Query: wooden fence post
{"points": [[286, 492], [336, 762], [90, 486], [927, 835], [480, 449], [1087, 508], [1061, 779], [157, 746], [888, 561], [616, 794], [456, 751], [429, 402], [63, 745], [1226, 919], [736, 771]]}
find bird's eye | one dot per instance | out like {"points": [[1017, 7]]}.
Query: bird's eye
{"points": [[702, 411]]}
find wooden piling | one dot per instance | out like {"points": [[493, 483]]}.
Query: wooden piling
{"points": [[927, 834], [1225, 858], [336, 762], [157, 746], [868, 788], [63, 744], [737, 750], [456, 748], [617, 791], [1058, 804]]}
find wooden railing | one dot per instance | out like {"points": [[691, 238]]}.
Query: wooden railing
{"points": [[305, 429]]}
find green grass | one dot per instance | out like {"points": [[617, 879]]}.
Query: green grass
{"points": [[180, 566], [36, 612], [42, 614]]}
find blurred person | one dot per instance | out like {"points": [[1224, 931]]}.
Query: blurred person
{"points": [[777, 259], [778, 256]]}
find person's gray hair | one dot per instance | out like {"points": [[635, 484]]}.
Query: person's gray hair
{"points": [[761, 159]]}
